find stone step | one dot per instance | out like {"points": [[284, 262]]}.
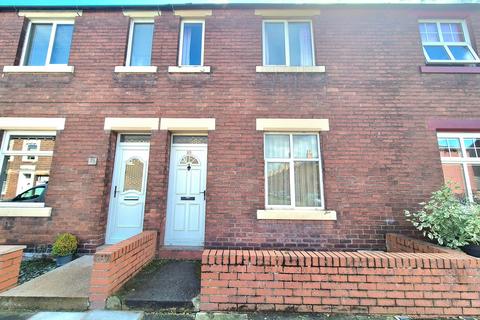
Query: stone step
{"points": [[92, 315], [64, 288]]}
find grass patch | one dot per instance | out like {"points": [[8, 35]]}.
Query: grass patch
{"points": [[30, 269]]}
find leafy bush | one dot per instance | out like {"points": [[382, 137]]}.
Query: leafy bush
{"points": [[65, 244], [446, 219]]}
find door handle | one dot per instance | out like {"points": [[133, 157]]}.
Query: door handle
{"points": [[204, 194], [115, 192]]}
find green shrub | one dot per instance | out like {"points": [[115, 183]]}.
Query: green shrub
{"points": [[446, 219], [65, 244]]}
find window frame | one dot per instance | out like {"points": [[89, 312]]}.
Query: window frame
{"points": [[54, 23], [287, 42], [464, 160], [180, 45], [4, 152], [445, 45], [133, 21], [291, 161]]}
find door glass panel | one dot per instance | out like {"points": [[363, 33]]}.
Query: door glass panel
{"points": [[190, 139], [133, 175], [278, 179], [135, 138]]}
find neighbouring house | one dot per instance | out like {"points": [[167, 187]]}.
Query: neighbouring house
{"points": [[234, 124]]}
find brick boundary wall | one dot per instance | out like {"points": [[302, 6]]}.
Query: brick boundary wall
{"points": [[401, 243], [366, 282], [115, 265], [10, 259]]}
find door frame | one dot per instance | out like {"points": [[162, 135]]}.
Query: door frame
{"points": [[171, 170], [115, 175]]}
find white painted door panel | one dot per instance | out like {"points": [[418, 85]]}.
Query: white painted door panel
{"points": [[186, 196], [127, 198]]}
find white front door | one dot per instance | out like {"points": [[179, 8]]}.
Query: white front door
{"points": [[186, 195], [129, 184]]}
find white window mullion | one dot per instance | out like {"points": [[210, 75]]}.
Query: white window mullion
{"points": [[466, 176], [50, 43], [130, 44]]}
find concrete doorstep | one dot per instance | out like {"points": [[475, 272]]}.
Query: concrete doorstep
{"points": [[92, 315], [64, 288]]}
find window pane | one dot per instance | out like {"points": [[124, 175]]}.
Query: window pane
{"points": [[454, 178], [437, 53], [461, 53], [307, 184], [300, 43], [429, 32], [452, 32], [22, 143], [192, 44], [277, 146], [278, 180], [275, 43], [18, 176], [305, 147], [474, 176], [141, 46], [61, 44], [473, 147], [36, 54]]}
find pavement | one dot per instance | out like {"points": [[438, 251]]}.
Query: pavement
{"points": [[64, 288], [161, 285]]}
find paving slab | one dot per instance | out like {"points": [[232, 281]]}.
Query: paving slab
{"points": [[171, 285], [113, 315], [64, 288], [58, 316]]}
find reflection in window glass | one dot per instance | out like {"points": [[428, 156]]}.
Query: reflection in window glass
{"points": [[474, 176], [141, 46], [305, 146], [20, 173], [454, 178], [37, 49], [275, 43], [61, 44], [449, 147], [307, 184], [278, 180]]}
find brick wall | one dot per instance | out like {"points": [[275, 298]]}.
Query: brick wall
{"points": [[379, 157], [401, 243], [368, 282], [10, 259], [116, 264]]}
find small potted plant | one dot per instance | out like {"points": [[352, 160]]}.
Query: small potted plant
{"points": [[63, 248], [449, 221]]}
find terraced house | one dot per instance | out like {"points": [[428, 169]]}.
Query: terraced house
{"points": [[233, 124]]}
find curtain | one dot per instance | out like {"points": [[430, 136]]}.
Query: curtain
{"points": [[187, 41], [300, 41], [278, 175]]}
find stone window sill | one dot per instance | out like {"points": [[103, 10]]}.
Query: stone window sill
{"points": [[296, 215], [189, 69], [135, 69], [38, 69], [450, 69], [288, 69], [25, 210]]}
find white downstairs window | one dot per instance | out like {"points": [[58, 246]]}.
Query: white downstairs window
{"points": [[460, 156], [293, 171], [446, 41], [25, 163]]}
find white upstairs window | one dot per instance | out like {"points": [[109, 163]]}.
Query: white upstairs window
{"points": [[446, 41], [287, 43]]}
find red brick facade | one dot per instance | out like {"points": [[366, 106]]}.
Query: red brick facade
{"points": [[424, 285], [379, 156]]}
